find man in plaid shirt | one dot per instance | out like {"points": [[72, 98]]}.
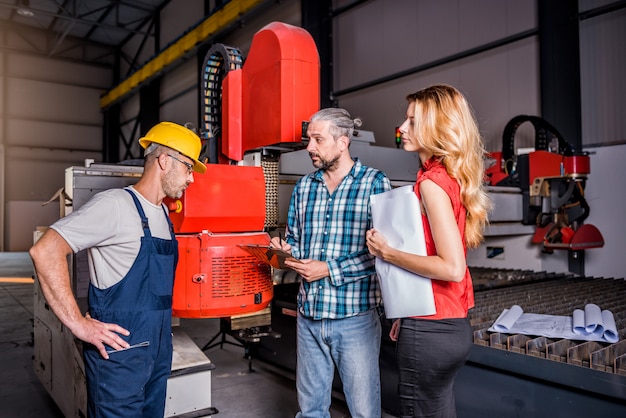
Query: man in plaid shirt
{"points": [[338, 322]]}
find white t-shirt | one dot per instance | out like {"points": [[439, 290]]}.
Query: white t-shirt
{"points": [[109, 227]]}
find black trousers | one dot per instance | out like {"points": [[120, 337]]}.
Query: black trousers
{"points": [[429, 355]]}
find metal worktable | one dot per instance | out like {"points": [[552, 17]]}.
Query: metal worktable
{"points": [[508, 375]]}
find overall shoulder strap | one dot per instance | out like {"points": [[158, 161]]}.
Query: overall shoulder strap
{"points": [[142, 214]]}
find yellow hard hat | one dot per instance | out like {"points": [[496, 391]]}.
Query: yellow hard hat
{"points": [[178, 138]]}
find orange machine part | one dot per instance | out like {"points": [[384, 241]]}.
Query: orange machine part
{"points": [[227, 198], [549, 164], [495, 173], [544, 164], [215, 278], [232, 131], [577, 165], [585, 237], [280, 89]]}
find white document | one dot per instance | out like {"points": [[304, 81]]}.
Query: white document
{"points": [[396, 214], [592, 324], [596, 322]]}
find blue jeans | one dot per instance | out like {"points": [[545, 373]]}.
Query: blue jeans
{"points": [[353, 345]]}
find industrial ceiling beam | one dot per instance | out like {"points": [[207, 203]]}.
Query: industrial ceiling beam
{"points": [[177, 50]]}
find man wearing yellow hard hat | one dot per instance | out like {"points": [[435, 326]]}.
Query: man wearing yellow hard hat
{"points": [[132, 258]]}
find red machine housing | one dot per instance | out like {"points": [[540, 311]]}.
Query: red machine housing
{"points": [[586, 236], [227, 198], [551, 183], [266, 101], [263, 103], [549, 164], [215, 278], [541, 164]]}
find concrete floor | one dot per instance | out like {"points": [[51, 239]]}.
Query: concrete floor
{"points": [[236, 393]]}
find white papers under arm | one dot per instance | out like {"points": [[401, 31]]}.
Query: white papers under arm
{"points": [[396, 214]]}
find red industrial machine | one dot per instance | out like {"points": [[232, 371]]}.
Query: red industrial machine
{"points": [[249, 114], [552, 179]]}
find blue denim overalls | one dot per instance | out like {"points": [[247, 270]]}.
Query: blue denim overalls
{"points": [[133, 382]]}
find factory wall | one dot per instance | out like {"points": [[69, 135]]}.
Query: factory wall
{"points": [[603, 94], [607, 200], [40, 135], [602, 69], [500, 83], [379, 39], [49, 119]]}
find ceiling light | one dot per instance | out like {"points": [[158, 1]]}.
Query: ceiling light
{"points": [[25, 13], [23, 9]]}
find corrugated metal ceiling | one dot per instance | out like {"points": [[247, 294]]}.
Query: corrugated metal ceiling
{"points": [[101, 22]]}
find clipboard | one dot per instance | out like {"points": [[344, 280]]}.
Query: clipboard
{"points": [[275, 257]]}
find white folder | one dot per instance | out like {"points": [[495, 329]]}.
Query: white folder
{"points": [[396, 214]]}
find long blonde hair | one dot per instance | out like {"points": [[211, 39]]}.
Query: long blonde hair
{"points": [[446, 127]]}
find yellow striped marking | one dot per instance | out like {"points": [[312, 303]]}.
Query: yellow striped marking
{"points": [[25, 280]]}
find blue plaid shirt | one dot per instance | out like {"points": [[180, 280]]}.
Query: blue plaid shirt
{"points": [[331, 228]]}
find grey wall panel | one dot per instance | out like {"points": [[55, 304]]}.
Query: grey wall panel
{"points": [[177, 17], [606, 198], [2, 84], [493, 84], [179, 80], [341, 3], [499, 84], [27, 40], [183, 109], [137, 51], [35, 67], [24, 216], [179, 95], [49, 106], [484, 21], [53, 135], [36, 173], [42, 100], [128, 117], [380, 38], [603, 80], [129, 109], [586, 5], [2, 194]]}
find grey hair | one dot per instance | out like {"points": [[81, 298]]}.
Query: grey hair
{"points": [[341, 121], [150, 149]]}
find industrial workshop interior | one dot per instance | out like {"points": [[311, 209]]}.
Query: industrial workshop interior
{"points": [[82, 81]]}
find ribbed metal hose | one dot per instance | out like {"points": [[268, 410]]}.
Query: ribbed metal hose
{"points": [[219, 60]]}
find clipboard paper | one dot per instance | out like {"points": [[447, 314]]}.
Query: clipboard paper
{"points": [[275, 257], [396, 214]]}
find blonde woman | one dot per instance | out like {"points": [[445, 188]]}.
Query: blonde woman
{"points": [[441, 128]]}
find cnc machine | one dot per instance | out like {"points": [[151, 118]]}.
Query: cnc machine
{"points": [[250, 113], [251, 124]]}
